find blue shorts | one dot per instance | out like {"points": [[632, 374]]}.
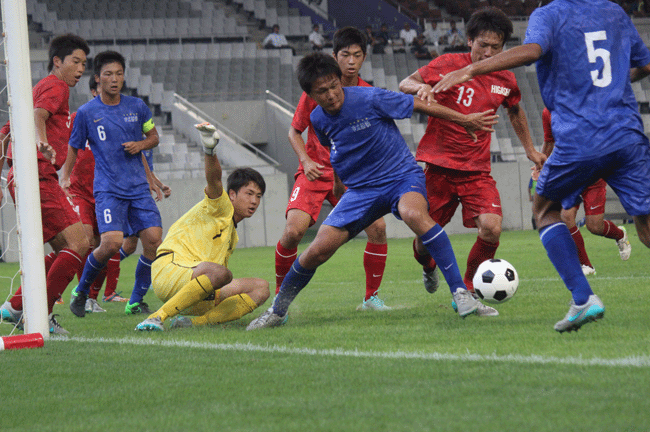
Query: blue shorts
{"points": [[627, 171], [126, 215], [359, 208]]}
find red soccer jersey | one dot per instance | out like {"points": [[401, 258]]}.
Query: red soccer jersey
{"points": [[447, 144], [318, 153], [52, 95], [546, 124], [83, 173]]}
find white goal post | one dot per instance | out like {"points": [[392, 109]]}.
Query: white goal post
{"points": [[23, 136]]}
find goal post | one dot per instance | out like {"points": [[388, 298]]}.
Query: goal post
{"points": [[23, 136]]}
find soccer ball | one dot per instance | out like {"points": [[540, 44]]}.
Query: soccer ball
{"points": [[496, 281]]}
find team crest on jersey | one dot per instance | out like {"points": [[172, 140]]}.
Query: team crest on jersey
{"points": [[500, 90], [360, 124], [131, 117]]}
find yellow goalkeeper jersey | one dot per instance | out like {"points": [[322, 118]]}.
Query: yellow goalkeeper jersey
{"points": [[206, 233]]}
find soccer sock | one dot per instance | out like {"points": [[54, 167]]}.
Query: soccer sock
{"points": [[612, 231], [90, 272], [192, 292], [374, 263], [123, 254], [112, 274], [297, 278], [580, 245], [16, 300], [97, 284], [85, 258], [230, 309], [283, 259], [439, 247], [426, 261], [63, 270], [562, 252], [481, 251], [142, 280]]}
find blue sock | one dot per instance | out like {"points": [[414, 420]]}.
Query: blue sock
{"points": [[142, 280], [91, 270], [562, 252], [439, 247], [123, 254], [297, 278]]}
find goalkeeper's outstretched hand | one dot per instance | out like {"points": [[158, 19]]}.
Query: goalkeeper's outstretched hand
{"points": [[209, 137]]}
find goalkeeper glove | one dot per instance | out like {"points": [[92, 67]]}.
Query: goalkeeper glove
{"points": [[209, 137]]}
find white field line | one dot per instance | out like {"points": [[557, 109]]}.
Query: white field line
{"points": [[636, 361]]}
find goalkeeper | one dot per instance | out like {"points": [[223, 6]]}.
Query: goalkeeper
{"points": [[190, 272]]}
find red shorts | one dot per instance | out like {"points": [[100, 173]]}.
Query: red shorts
{"points": [[447, 188], [86, 210], [57, 211], [309, 196], [594, 197]]}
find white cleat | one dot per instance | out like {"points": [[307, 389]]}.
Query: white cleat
{"points": [[586, 270], [267, 319], [624, 246]]}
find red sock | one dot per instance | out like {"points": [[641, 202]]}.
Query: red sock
{"points": [[374, 262], [62, 272], [481, 251], [426, 261], [580, 244], [112, 274], [97, 284], [283, 260], [612, 231], [17, 300]]}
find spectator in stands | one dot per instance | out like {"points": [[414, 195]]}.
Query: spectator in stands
{"points": [[373, 43], [454, 37], [318, 41], [276, 40], [383, 39], [433, 35], [420, 50], [407, 34]]}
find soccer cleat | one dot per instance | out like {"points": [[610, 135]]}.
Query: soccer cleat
{"points": [[431, 280], [59, 301], [180, 321], [93, 306], [78, 303], [136, 308], [373, 303], [483, 310], [10, 314], [151, 324], [581, 315], [624, 246], [55, 327], [466, 304], [586, 270], [267, 319], [115, 297]]}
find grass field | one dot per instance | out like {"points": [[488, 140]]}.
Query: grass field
{"points": [[416, 368]]}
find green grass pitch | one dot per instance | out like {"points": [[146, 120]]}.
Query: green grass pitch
{"points": [[416, 368]]}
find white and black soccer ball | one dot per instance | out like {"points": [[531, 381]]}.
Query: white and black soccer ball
{"points": [[496, 281]]}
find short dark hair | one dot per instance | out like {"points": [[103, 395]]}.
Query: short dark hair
{"points": [[314, 66], [107, 57], [348, 36], [489, 19], [62, 46], [92, 84], [243, 176]]}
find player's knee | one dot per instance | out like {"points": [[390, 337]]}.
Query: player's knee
{"points": [[260, 292], [377, 232], [491, 233], [219, 275], [292, 235], [594, 226]]}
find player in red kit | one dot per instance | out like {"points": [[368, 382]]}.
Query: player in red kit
{"points": [[62, 228], [315, 179], [458, 168], [594, 198]]}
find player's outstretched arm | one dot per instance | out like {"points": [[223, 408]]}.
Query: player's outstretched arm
{"points": [[517, 56], [414, 84], [210, 139], [471, 122]]}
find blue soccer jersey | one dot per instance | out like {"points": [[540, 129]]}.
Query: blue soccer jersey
{"points": [[588, 48], [106, 128], [366, 148]]}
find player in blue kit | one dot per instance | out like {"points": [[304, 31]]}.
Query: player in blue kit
{"points": [[372, 159], [114, 125], [584, 51]]}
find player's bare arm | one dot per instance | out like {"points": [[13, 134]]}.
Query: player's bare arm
{"points": [[151, 140], [517, 56], [415, 85], [471, 122], [210, 139], [339, 188], [153, 186], [166, 190], [66, 169], [520, 124], [40, 117], [637, 74], [312, 169]]}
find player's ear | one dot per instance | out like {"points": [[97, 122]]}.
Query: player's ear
{"points": [[57, 62], [97, 79], [232, 194]]}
